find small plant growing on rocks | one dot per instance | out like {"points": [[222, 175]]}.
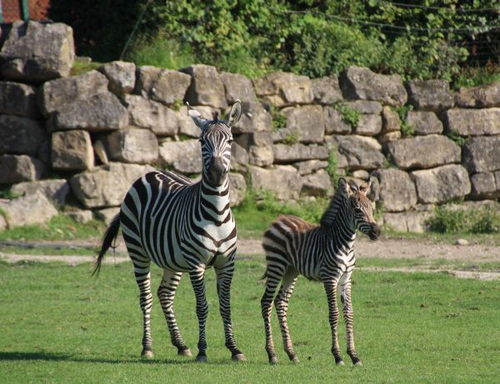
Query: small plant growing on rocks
{"points": [[406, 128], [178, 103], [459, 140], [292, 138], [349, 115], [331, 168], [278, 119]]}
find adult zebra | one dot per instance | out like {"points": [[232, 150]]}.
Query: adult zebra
{"points": [[182, 226], [324, 253]]}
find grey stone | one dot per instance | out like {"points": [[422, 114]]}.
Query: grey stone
{"points": [[334, 123], [72, 151], [397, 190], [80, 215], [326, 90], [237, 189], [441, 184], [369, 125], [361, 174], [357, 152], [284, 89], [485, 185], [472, 122], [365, 106], [310, 166], [424, 122], [121, 76], [481, 154], [187, 126], [107, 214], [132, 145], [239, 157], [20, 135], [430, 95], [305, 124], [484, 96], [162, 85], [254, 118], [27, 210], [56, 94], [238, 87], [206, 86], [361, 83], [183, 156], [284, 154], [18, 99], [37, 52], [389, 137], [317, 184], [56, 190], [413, 153], [18, 168], [407, 221], [101, 112], [259, 146], [390, 121], [283, 181]]}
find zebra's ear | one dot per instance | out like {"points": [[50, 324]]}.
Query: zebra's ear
{"points": [[198, 119], [365, 187], [234, 114], [345, 187]]}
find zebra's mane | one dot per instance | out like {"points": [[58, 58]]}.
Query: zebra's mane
{"points": [[330, 215]]}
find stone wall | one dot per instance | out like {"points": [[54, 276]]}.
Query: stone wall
{"points": [[82, 140]]}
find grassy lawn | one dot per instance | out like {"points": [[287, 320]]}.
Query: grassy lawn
{"points": [[58, 325]]}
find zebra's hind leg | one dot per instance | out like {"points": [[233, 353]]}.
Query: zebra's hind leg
{"points": [[281, 303], [197, 276], [166, 294], [345, 296], [224, 279]]}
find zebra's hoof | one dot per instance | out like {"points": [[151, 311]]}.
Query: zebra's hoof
{"points": [[147, 354], [201, 359], [273, 360], [358, 364], [239, 357], [295, 360], [184, 352], [340, 362]]}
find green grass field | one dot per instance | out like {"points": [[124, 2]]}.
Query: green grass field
{"points": [[59, 325]]}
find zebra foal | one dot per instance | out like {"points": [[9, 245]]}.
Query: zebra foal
{"points": [[319, 252], [183, 226]]}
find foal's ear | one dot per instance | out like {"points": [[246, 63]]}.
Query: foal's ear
{"points": [[198, 119], [365, 187], [234, 114], [345, 187]]}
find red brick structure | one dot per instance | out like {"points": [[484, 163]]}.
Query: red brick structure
{"points": [[12, 10]]}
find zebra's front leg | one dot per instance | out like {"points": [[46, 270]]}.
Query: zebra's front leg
{"points": [[224, 279], [143, 279], [333, 317], [166, 294], [198, 281], [345, 296], [266, 304]]}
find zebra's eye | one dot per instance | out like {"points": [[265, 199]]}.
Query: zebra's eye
{"points": [[230, 141]]}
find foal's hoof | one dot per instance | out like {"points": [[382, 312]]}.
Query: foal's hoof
{"points": [[184, 352], [358, 364], [295, 360], [147, 354], [201, 359], [273, 360], [340, 362], [239, 357]]}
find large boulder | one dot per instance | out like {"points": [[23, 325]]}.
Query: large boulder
{"points": [[357, 152], [441, 184], [17, 168], [305, 124], [100, 112], [284, 89], [326, 90], [187, 127], [430, 95], [484, 96], [237, 189], [37, 52], [18, 99], [413, 153], [206, 86], [397, 190], [132, 145], [162, 85], [481, 154], [485, 185], [106, 186], [72, 151], [27, 210], [285, 154], [414, 221], [424, 123], [239, 157], [283, 181], [259, 146], [472, 122], [334, 122], [238, 87], [56, 190], [361, 83], [365, 107], [317, 184], [254, 118], [369, 125], [20, 135], [310, 166], [121, 76], [182, 156]]}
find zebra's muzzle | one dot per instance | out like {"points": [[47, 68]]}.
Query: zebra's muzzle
{"points": [[375, 232], [216, 172]]}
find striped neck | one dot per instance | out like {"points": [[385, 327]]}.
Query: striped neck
{"points": [[214, 201], [339, 217]]}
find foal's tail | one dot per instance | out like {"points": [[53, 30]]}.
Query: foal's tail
{"points": [[109, 237]]}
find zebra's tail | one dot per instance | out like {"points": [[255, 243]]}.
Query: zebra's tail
{"points": [[109, 237]]}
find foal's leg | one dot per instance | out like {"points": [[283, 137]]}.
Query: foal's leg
{"points": [[197, 276], [333, 316], [345, 296], [166, 294]]}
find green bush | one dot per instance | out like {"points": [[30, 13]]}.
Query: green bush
{"points": [[349, 115], [448, 220]]}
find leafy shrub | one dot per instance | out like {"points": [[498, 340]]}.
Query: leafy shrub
{"points": [[349, 115], [447, 220]]}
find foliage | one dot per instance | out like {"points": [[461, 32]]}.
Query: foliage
{"points": [[406, 127], [177, 105], [278, 118], [349, 115], [452, 220], [332, 166], [6, 193], [292, 138], [455, 136]]}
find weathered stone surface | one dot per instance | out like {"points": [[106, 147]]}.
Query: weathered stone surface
{"points": [[390, 121], [369, 125], [183, 156], [305, 124], [481, 154], [485, 185], [18, 99], [407, 221], [484, 96], [101, 112], [441, 184], [284, 89], [56, 94], [309, 166], [388, 137], [37, 52], [424, 122], [430, 95], [357, 152], [254, 118], [317, 184], [81, 216], [27, 210], [326, 90], [162, 85], [472, 122], [283, 181], [397, 190], [72, 151], [239, 157], [259, 146], [106, 186], [206, 86], [132, 146], [237, 189], [423, 152], [186, 125], [365, 106], [121, 76], [145, 113], [56, 190], [361, 83], [20, 135], [334, 123], [238, 87], [17, 168], [284, 154], [107, 214]]}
